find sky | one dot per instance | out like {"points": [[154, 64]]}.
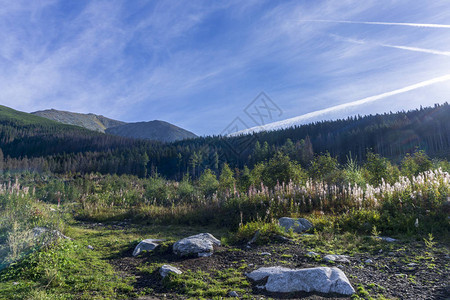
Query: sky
{"points": [[201, 64]]}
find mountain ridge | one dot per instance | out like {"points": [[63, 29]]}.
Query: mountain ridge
{"points": [[150, 130]]}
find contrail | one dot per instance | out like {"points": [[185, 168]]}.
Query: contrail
{"points": [[415, 49], [383, 23], [431, 51], [303, 118]]}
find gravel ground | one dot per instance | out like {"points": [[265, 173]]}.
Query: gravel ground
{"points": [[405, 272]]}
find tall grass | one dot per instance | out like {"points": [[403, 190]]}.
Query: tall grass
{"points": [[20, 212], [161, 201]]}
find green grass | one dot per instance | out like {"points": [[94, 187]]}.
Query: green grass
{"points": [[200, 284], [65, 270]]}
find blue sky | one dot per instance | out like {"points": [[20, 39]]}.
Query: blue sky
{"points": [[198, 64]]}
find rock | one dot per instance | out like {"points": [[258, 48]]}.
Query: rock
{"points": [[90, 247], [340, 266], [312, 254], [387, 239], [254, 238], [391, 253], [368, 261], [336, 258], [201, 245], [321, 279], [265, 254], [167, 269], [297, 225], [233, 294], [47, 234], [146, 245]]}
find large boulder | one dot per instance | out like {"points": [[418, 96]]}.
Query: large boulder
{"points": [[298, 225], [321, 279], [166, 269], [201, 245], [146, 245]]}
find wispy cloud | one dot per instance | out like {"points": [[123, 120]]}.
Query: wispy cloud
{"points": [[382, 23]]}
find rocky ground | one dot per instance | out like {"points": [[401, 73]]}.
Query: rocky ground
{"points": [[399, 270]]}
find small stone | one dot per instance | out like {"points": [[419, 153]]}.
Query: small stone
{"points": [[265, 254], [387, 239], [312, 254], [412, 265], [391, 253], [90, 247], [233, 294], [166, 269], [336, 258], [381, 251], [340, 266], [15, 283], [368, 261]]}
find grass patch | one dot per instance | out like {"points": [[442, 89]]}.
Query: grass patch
{"points": [[200, 284], [64, 270]]}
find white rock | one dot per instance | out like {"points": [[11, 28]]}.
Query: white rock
{"points": [[146, 245], [297, 225], [321, 279], [43, 232], [166, 269], [265, 254], [201, 245], [336, 258], [90, 247], [368, 261]]}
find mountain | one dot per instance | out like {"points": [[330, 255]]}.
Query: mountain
{"points": [[89, 121], [153, 130]]}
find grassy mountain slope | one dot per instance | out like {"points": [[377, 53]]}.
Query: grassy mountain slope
{"points": [[89, 121], [153, 130]]}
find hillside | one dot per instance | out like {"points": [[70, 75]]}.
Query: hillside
{"points": [[153, 130], [89, 121]]}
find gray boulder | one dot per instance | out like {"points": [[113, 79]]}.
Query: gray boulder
{"points": [[146, 245], [201, 245], [297, 225], [336, 258], [166, 269], [321, 279]]}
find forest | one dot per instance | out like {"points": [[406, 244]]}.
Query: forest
{"points": [[41, 145]]}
